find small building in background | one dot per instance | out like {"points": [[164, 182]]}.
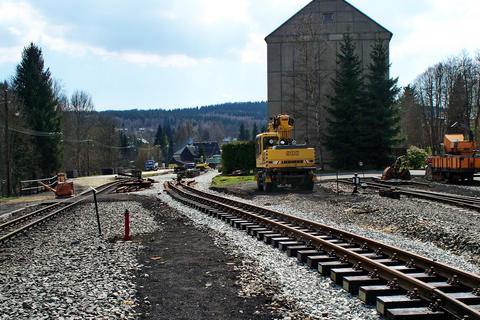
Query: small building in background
{"points": [[193, 152]]}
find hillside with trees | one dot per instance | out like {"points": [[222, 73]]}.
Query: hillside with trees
{"points": [[215, 122]]}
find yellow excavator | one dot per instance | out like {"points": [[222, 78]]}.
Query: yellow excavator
{"points": [[280, 160]]}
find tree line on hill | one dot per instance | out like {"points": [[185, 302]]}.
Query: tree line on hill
{"points": [[208, 123]]}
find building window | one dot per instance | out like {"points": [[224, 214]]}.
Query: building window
{"points": [[328, 18]]}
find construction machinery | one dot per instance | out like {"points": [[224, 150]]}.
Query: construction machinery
{"points": [[63, 188], [279, 160], [397, 171], [458, 163]]}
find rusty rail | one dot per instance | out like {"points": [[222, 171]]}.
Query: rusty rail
{"points": [[452, 199], [26, 222]]}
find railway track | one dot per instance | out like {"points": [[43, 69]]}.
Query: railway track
{"points": [[18, 225], [452, 199], [403, 285]]}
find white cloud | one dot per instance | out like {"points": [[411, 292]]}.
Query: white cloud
{"points": [[147, 59], [27, 25], [255, 50], [214, 12], [444, 30]]}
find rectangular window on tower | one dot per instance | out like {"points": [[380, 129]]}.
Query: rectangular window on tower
{"points": [[328, 18]]}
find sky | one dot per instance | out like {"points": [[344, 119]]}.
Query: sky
{"points": [[185, 53]]}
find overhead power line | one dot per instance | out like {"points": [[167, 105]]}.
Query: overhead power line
{"points": [[36, 133], [31, 132]]}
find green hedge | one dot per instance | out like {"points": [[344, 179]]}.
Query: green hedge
{"points": [[239, 155]]}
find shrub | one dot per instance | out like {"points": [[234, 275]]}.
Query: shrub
{"points": [[239, 155], [416, 158]]}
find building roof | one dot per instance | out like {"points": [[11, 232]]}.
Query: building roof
{"points": [[190, 152], [209, 147], [310, 5]]}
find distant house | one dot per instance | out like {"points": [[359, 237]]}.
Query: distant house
{"points": [[193, 152]]}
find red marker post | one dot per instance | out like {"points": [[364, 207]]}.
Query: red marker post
{"points": [[126, 236]]}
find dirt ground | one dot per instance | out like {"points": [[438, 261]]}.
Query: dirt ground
{"points": [[184, 274], [188, 276]]}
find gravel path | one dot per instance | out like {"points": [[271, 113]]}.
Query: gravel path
{"points": [[64, 270]]}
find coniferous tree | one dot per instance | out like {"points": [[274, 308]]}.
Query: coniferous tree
{"points": [[344, 124], [254, 131], [159, 136], [161, 140], [243, 135], [169, 147], [380, 127], [34, 85]]}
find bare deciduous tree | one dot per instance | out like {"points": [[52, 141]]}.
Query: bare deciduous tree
{"points": [[78, 122], [449, 92]]}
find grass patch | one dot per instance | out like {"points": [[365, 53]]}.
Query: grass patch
{"points": [[221, 181], [5, 199]]}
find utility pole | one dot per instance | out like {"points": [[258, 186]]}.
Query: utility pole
{"points": [[7, 142]]}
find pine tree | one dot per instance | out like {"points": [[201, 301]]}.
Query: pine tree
{"points": [[381, 119], [254, 131], [169, 145], [159, 136], [34, 85], [241, 134], [344, 124]]}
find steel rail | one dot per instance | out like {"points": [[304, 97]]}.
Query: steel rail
{"points": [[433, 193], [406, 282], [422, 262], [32, 215], [457, 200]]}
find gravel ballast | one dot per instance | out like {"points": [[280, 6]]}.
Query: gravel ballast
{"points": [[64, 270], [305, 289], [445, 233]]}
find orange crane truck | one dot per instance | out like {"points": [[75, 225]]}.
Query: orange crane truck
{"points": [[459, 162]]}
